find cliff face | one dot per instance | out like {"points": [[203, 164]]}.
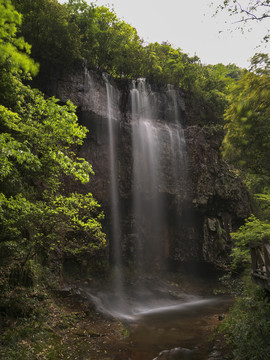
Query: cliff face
{"points": [[200, 199]]}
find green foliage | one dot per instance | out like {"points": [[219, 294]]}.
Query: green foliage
{"points": [[49, 28], [213, 84], [246, 145], [12, 49], [164, 64], [230, 285], [36, 150], [260, 64], [247, 327], [38, 144], [254, 230], [247, 142], [108, 43], [39, 136], [64, 35], [85, 18]]}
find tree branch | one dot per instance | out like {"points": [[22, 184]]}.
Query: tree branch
{"points": [[251, 15]]}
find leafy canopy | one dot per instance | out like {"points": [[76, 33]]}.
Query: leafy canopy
{"points": [[37, 150], [247, 142], [38, 144], [247, 146], [13, 49], [49, 28]]}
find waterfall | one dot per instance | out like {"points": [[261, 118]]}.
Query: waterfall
{"points": [[116, 234], [145, 147], [157, 149], [174, 108], [151, 156], [177, 141]]}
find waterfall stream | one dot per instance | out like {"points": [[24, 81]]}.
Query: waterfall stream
{"points": [[156, 146], [151, 156], [147, 206], [116, 233], [148, 301]]}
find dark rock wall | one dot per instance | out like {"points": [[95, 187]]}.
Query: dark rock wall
{"points": [[200, 212]]}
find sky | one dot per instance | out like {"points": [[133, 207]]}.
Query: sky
{"points": [[189, 25]]}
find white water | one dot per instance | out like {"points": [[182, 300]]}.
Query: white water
{"points": [[158, 153], [154, 166], [145, 154], [149, 308], [116, 233], [158, 313]]}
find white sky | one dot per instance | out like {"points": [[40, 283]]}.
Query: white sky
{"points": [[189, 24]]}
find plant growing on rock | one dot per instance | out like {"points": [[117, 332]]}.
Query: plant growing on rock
{"points": [[38, 142]]}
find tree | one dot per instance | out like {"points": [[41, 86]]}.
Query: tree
{"points": [[247, 146], [38, 144], [49, 28], [37, 150], [84, 16], [109, 44], [247, 142], [247, 11], [13, 49]]}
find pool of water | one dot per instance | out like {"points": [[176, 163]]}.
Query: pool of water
{"points": [[163, 326], [181, 332]]}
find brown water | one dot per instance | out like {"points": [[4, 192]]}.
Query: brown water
{"points": [[184, 327], [186, 330]]}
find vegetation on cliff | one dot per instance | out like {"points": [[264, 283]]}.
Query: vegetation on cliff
{"points": [[247, 146], [41, 219], [65, 35]]}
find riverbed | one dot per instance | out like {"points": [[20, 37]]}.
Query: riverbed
{"points": [[178, 323]]}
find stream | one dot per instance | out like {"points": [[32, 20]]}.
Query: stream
{"points": [[161, 323], [161, 319], [177, 332]]}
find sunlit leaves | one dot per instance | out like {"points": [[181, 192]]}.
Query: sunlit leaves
{"points": [[254, 231], [13, 49], [79, 213], [38, 144]]}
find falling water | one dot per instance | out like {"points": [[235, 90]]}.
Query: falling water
{"points": [[177, 141], [162, 317], [158, 161], [153, 166], [112, 102], [146, 169], [173, 95]]}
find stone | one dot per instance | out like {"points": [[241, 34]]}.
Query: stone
{"points": [[205, 203], [175, 354]]}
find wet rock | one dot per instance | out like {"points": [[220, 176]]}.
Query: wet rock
{"points": [[215, 355], [175, 354], [204, 200], [212, 224]]}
